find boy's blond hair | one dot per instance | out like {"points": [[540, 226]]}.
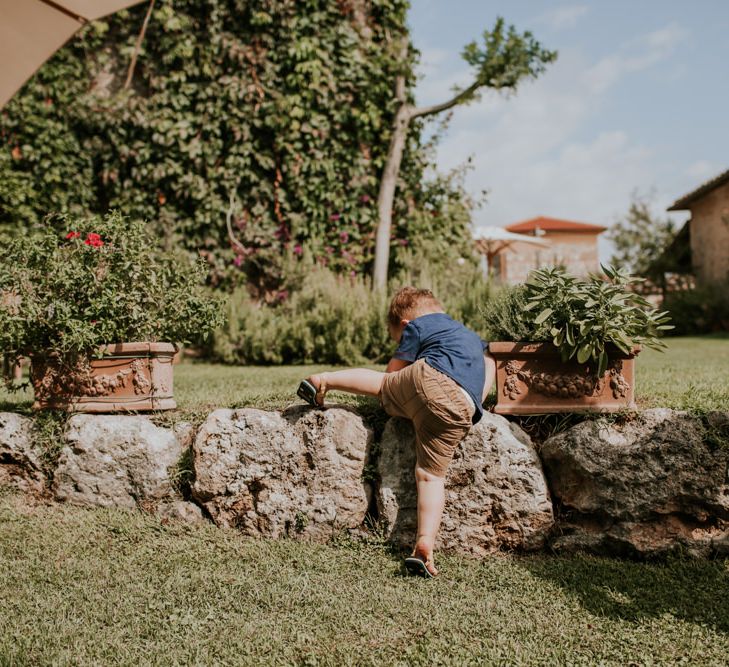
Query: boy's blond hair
{"points": [[411, 302]]}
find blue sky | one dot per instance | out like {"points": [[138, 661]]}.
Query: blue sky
{"points": [[638, 101]]}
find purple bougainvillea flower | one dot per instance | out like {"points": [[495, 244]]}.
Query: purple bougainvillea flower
{"points": [[298, 249], [238, 260]]}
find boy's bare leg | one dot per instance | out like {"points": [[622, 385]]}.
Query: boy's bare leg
{"points": [[490, 375], [431, 499], [354, 380]]}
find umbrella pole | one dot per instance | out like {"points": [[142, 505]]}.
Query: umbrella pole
{"points": [[138, 46]]}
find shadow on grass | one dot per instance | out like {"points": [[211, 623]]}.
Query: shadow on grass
{"points": [[689, 590], [21, 407]]}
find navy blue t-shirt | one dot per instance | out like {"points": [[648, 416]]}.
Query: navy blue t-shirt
{"points": [[449, 347]]}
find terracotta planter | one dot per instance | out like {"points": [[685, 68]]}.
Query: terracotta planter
{"points": [[129, 377], [531, 379]]}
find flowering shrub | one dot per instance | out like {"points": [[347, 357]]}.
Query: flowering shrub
{"points": [[81, 283]]}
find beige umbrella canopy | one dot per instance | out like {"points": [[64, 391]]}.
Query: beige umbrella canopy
{"points": [[31, 31], [490, 241]]}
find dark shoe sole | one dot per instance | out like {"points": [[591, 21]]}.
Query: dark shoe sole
{"points": [[307, 392], [416, 567]]}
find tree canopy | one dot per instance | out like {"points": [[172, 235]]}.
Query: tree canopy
{"points": [[640, 239]]}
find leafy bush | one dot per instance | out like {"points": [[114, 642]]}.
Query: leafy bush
{"points": [[504, 316], [84, 282], [700, 310], [333, 319], [582, 317], [329, 319]]}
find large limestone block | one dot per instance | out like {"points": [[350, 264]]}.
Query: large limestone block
{"points": [[117, 461], [496, 494], [641, 487], [296, 474], [20, 461]]}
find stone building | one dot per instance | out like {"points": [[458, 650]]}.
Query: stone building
{"points": [[708, 229], [572, 245]]}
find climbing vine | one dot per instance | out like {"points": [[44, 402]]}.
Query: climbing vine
{"points": [[286, 104]]}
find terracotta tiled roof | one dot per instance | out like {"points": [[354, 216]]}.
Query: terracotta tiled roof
{"points": [[683, 203], [554, 225]]}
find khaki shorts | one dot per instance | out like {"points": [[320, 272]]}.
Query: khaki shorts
{"points": [[440, 411]]}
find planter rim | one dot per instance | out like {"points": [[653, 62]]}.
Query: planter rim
{"points": [[137, 348], [508, 347]]}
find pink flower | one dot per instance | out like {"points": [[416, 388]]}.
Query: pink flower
{"points": [[403, 242], [334, 217], [298, 249], [364, 199], [344, 237], [238, 260], [329, 250]]}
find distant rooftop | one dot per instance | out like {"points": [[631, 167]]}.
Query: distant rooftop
{"points": [[554, 225], [685, 201]]}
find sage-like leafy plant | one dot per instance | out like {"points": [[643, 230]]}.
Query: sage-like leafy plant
{"points": [[583, 317]]}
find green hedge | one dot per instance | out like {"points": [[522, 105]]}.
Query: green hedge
{"points": [[333, 319], [700, 310]]}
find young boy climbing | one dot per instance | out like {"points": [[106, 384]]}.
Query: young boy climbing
{"points": [[438, 377]]}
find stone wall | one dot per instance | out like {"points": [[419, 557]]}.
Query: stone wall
{"points": [[638, 485], [577, 251], [710, 235]]}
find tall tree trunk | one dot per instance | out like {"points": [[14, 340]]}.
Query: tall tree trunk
{"points": [[388, 183], [386, 196]]}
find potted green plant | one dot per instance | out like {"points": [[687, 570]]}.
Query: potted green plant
{"points": [[564, 344], [99, 309]]}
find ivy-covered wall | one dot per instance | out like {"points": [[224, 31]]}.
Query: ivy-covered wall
{"points": [[286, 103]]}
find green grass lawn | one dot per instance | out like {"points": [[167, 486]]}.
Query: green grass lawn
{"points": [[110, 587], [113, 587], [693, 374]]}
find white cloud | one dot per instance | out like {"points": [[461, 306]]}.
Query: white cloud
{"points": [[634, 57], [531, 150], [566, 16]]}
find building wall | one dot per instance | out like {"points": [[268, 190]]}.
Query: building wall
{"points": [[576, 251], [710, 235]]}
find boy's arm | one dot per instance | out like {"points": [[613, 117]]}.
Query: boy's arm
{"points": [[396, 365]]}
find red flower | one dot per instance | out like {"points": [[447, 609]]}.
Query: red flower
{"points": [[72, 235], [93, 240]]}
